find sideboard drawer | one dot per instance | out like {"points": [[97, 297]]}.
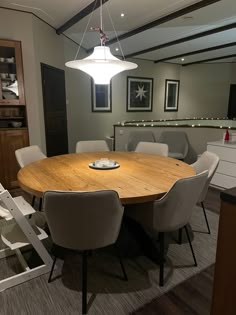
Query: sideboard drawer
{"points": [[227, 168], [224, 153], [223, 181]]}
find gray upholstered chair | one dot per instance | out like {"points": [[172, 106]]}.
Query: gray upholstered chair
{"points": [[170, 213], [152, 148], [27, 155], [207, 161], [81, 222], [136, 136], [91, 146], [177, 142]]}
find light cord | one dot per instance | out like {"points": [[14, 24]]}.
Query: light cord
{"points": [[119, 44], [80, 45]]}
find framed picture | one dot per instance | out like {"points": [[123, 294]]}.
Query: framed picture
{"points": [[139, 94], [101, 97], [171, 96]]}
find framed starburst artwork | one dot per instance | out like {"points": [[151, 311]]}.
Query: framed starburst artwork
{"points": [[171, 95], [139, 94]]}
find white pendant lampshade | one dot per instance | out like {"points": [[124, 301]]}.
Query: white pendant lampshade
{"points": [[101, 65]]}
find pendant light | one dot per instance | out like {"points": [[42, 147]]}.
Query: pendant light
{"points": [[101, 65]]}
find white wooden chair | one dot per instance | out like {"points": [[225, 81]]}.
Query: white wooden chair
{"points": [[16, 234]]}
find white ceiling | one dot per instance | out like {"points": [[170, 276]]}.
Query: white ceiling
{"points": [[138, 13]]}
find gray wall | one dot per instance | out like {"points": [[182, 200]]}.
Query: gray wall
{"points": [[204, 90]]}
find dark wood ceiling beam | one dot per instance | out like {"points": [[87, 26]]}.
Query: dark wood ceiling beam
{"points": [[184, 39], [161, 20], [79, 16], [207, 60], [195, 52]]}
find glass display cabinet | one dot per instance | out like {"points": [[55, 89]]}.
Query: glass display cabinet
{"points": [[13, 121]]}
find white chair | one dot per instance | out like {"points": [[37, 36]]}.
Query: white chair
{"points": [[83, 221], [152, 148], [170, 213], [207, 161], [91, 146], [136, 136], [17, 233], [27, 155], [177, 142]]}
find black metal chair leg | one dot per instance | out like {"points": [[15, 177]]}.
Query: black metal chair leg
{"points": [[53, 265], [121, 262], [33, 201], [180, 236], [84, 282], [190, 244], [162, 258], [40, 204], [205, 215]]}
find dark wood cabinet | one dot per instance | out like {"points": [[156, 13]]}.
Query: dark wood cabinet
{"points": [[11, 140], [224, 290], [13, 121]]}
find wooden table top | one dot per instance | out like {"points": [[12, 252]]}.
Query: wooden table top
{"points": [[140, 177]]}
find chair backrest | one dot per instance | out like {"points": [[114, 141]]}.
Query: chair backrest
{"points": [[207, 161], [27, 155], [177, 142], [83, 220], [91, 146], [136, 136], [152, 148], [174, 209]]}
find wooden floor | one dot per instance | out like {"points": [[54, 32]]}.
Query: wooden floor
{"points": [[193, 296]]}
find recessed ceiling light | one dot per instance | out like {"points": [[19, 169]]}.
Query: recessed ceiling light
{"points": [[117, 49], [122, 15], [182, 59]]}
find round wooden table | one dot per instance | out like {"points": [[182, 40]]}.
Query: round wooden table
{"points": [[140, 177]]}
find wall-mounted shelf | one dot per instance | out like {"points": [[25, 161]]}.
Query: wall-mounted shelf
{"points": [[12, 118]]}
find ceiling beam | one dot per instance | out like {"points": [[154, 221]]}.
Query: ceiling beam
{"points": [[159, 21], [184, 39], [79, 16], [195, 52], [210, 59]]}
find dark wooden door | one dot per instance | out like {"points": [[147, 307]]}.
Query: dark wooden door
{"points": [[232, 102], [54, 102]]}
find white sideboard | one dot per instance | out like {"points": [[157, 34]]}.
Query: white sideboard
{"points": [[225, 176]]}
